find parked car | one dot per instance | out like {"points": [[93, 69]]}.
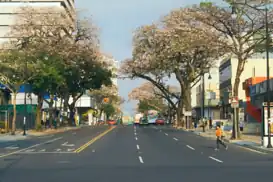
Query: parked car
{"points": [[112, 122], [160, 121]]}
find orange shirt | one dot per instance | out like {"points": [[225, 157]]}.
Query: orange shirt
{"points": [[218, 132]]}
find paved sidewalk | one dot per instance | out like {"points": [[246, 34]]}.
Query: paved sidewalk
{"points": [[249, 141], [33, 133]]}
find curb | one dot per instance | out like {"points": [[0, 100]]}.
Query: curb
{"points": [[230, 141], [255, 148]]}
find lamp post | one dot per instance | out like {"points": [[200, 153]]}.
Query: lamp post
{"points": [[203, 96], [267, 45], [269, 145], [24, 44]]}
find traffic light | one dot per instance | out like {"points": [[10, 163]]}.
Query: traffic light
{"points": [[106, 100]]}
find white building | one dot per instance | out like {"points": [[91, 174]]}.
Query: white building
{"points": [[9, 9], [211, 83], [114, 66]]}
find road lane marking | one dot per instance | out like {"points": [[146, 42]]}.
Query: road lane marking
{"points": [[58, 150], [175, 139], [30, 150], [70, 150], [135, 133], [137, 146], [217, 160], [166, 134], [84, 146], [140, 159], [190, 147], [68, 145], [24, 149], [43, 150], [136, 138], [53, 140], [11, 147], [47, 153]]}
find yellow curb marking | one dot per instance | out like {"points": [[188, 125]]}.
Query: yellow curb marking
{"points": [[93, 140]]}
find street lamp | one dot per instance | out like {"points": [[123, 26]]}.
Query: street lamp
{"points": [[267, 45], [203, 92]]}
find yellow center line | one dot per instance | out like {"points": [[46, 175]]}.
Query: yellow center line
{"points": [[84, 146]]}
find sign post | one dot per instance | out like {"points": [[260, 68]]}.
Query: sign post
{"points": [[235, 106]]}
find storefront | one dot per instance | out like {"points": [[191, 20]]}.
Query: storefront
{"points": [[258, 94]]}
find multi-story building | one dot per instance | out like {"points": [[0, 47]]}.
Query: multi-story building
{"points": [[9, 10], [113, 66], [254, 67], [211, 93]]}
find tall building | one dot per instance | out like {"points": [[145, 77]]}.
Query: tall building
{"points": [[114, 65], [9, 9], [211, 93]]}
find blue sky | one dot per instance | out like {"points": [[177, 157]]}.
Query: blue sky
{"points": [[117, 19]]}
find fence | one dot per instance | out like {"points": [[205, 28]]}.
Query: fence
{"points": [[6, 116]]}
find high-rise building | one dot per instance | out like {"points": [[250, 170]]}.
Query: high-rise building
{"points": [[113, 67], [9, 9]]}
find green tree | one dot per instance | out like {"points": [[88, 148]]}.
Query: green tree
{"points": [[109, 110], [47, 81], [13, 74]]}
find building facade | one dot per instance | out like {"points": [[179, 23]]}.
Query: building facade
{"points": [[211, 92], [254, 67], [9, 8]]}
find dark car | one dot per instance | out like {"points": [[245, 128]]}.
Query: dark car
{"points": [[143, 121]]}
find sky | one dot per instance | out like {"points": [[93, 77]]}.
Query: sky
{"points": [[117, 19]]}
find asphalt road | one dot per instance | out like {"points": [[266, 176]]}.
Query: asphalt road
{"points": [[143, 154]]}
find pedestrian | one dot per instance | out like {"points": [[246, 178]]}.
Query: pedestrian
{"points": [[219, 140], [241, 126], [210, 123]]}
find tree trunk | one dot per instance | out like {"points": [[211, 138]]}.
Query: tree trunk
{"points": [[187, 101], [13, 129], [71, 120], [51, 109], [39, 111], [240, 69], [179, 112]]}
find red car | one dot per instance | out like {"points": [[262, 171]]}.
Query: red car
{"points": [[160, 121], [112, 122]]}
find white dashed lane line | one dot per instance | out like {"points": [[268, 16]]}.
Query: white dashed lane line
{"points": [[140, 159], [217, 160], [190, 147], [166, 134], [175, 139], [137, 146], [136, 138]]}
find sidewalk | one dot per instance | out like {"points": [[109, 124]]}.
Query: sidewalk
{"points": [[33, 133], [247, 140]]}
